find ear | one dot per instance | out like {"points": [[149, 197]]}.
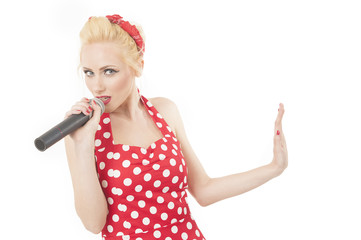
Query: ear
{"points": [[141, 64]]}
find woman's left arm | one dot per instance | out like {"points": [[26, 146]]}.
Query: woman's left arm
{"points": [[208, 190]]}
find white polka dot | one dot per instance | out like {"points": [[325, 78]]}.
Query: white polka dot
{"points": [[119, 234], [161, 156], [174, 229], [168, 238], [181, 168], [164, 147], [175, 179], [145, 162], [146, 221], [166, 173], [135, 156], [150, 112], [183, 162], [116, 156], [172, 162], [101, 150], [134, 214], [116, 173], [138, 188], [147, 177], [143, 150], [174, 194], [110, 155], [126, 163], [110, 201], [117, 191], [106, 120], [130, 198], [106, 135], [164, 216], [197, 233], [184, 236], [122, 207], [149, 194], [141, 204], [157, 225], [110, 228], [165, 189], [175, 146], [97, 143], [159, 116], [160, 199], [165, 140], [157, 234], [104, 183], [127, 224], [126, 147], [126, 237], [169, 129], [157, 183], [127, 182], [185, 210], [101, 165], [137, 170], [181, 185], [149, 104], [156, 166], [151, 155], [174, 220], [170, 205], [189, 225], [153, 210], [111, 173], [153, 145], [159, 124], [174, 152], [99, 127], [115, 218], [180, 210], [175, 139]]}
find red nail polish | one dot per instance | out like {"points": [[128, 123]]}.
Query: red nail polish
{"points": [[278, 132], [90, 109]]}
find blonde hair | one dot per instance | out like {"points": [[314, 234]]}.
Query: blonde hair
{"points": [[100, 29]]}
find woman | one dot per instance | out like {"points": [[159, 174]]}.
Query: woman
{"points": [[143, 160]]}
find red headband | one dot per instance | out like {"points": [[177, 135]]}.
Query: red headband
{"points": [[129, 28]]}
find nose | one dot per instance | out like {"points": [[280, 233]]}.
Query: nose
{"points": [[99, 86]]}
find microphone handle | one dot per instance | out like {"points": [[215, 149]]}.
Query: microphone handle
{"points": [[58, 132]]}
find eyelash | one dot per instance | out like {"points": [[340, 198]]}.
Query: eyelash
{"points": [[105, 71]]}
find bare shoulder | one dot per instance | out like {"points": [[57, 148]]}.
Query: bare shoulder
{"points": [[168, 109]]}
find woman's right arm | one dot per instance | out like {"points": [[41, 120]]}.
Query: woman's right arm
{"points": [[90, 202]]}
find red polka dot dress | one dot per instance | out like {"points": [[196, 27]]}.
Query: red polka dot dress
{"points": [[145, 187]]}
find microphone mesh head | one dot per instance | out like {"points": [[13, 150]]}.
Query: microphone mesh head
{"points": [[100, 103]]}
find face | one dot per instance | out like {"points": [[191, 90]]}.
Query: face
{"points": [[106, 75]]}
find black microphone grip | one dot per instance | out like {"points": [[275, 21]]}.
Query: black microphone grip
{"points": [[64, 128]]}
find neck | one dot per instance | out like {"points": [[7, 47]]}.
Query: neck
{"points": [[131, 108]]}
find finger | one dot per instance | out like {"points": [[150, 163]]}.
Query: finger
{"points": [[71, 112], [278, 122]]}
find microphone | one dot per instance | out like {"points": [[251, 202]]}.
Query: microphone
{"points": [[67, 126]]}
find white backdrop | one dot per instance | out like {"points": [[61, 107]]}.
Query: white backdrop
{"points": [[227, 65]]}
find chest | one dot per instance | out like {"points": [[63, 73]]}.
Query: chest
{"points": [[142, 132]]}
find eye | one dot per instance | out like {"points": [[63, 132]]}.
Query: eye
{"points": [[109, 71], [88, 73]]}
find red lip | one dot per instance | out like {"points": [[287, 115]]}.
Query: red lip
{"points": [[104, 99]]}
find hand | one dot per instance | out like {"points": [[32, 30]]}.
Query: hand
{"points": [[280, 154], [86, 132]]}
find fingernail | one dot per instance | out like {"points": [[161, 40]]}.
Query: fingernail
{"points": [[90, 109], [278, 132]]}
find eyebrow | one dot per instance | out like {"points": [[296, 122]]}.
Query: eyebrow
{"points": [[102, 68]]}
